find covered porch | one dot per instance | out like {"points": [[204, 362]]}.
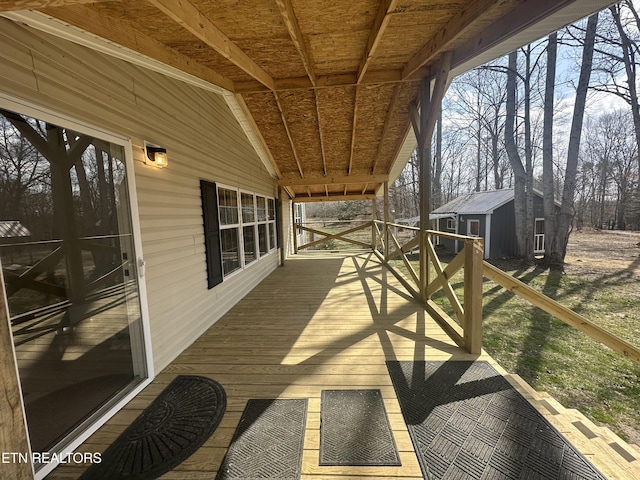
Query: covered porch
{"points": [[329, 321]]}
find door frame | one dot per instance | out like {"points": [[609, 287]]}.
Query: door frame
{"points": [[537, 237], [144, 354]]}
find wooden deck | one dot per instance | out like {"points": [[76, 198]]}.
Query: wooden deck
{"points": [[327, 321]]}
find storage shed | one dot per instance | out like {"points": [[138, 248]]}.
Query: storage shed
{"points": [[490, 215]]}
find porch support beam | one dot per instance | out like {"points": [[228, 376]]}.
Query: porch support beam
{"points": [[424, 122], [457, 26], [385, 229], [187, 15], [335, 198], [332, 180]]}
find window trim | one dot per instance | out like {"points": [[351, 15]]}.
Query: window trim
{"points": [[239, 227]]}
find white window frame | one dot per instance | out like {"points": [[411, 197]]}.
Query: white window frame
{"points": [[239, 227]]}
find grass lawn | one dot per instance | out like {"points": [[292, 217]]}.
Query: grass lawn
{"points": [[604, 287]]}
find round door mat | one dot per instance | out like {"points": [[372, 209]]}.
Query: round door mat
{"points": [[166, 433]]}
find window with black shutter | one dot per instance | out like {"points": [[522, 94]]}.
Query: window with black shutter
{"points": [[211, 233]]}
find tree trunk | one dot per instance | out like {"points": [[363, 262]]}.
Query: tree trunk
{"points": [[566, 210], [547, 151], [514, 157]]}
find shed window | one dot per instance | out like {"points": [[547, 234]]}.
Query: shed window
{"points": [[473, 228], [451, 224]]}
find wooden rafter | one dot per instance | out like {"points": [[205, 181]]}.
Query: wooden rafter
{"points": [[195, 22], [320, 134], [457, 26], [385, 128], [353, 130], [289, 135], [10, 5], [125, 34], [291, 22], [379, 26], [254, 126]]}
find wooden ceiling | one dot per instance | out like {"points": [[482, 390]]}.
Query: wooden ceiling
{"points": [[327, 83]]}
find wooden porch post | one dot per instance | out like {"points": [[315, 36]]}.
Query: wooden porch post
{"points": [[374, 217], [385, 230], [13, 430], [281, 210], [424, 122], [295, 227]]}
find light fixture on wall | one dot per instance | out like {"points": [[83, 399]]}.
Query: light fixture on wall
{"points": [[156, 156]]}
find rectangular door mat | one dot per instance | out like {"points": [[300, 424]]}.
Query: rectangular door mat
{"points": [[354, 429], [268, 442], [467, 421]]}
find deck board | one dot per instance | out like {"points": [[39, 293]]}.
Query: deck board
{"points": [[319, 322]]}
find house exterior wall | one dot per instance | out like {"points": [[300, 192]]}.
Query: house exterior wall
{"points": [[203, 140]]}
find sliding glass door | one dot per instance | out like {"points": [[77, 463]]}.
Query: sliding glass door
{"points": [[70, 272]]}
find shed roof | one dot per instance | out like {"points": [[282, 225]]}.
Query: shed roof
{"points": [[323, 89], [12, 229], [477, 203]]}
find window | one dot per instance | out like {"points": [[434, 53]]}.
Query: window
{"points": [[240, 228], [451, 224]]}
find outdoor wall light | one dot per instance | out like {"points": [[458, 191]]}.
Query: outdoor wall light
{"points": [[156, 156]]}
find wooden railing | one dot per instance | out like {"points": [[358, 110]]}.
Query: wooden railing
{"points": [[340, 236], [466, 328], [560, 312]]}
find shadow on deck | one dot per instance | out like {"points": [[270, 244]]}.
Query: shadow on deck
{"points": [[324, 321]]}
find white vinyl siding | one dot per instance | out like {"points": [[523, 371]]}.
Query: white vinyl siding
{"points": [[203, 141]]}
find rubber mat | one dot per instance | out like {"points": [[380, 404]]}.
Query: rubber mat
{"points": [[268, 442], [467, 421], [354, 429], [166, 433]]}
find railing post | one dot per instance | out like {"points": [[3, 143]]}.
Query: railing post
{"points": [[473, 262]]}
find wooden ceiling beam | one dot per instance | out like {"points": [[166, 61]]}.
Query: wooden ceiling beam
{"points": [[457, 26], [379, 26], [11, 5], [334, 198], [195, 22], [291, 22], [124, 33], [517, 20], [332, 180], [377, 77]]}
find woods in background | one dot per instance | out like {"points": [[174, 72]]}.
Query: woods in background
{"points": [[560, 116]]}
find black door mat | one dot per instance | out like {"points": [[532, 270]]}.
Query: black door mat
{"points": [[268, 442], [354, 429], [166, 433], [467, 421]]}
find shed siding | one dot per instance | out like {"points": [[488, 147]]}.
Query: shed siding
{"points": [[203, 140], [503, 238]]}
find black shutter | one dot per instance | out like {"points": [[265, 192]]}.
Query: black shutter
{"points": [[277, 207], [211, 233]]}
